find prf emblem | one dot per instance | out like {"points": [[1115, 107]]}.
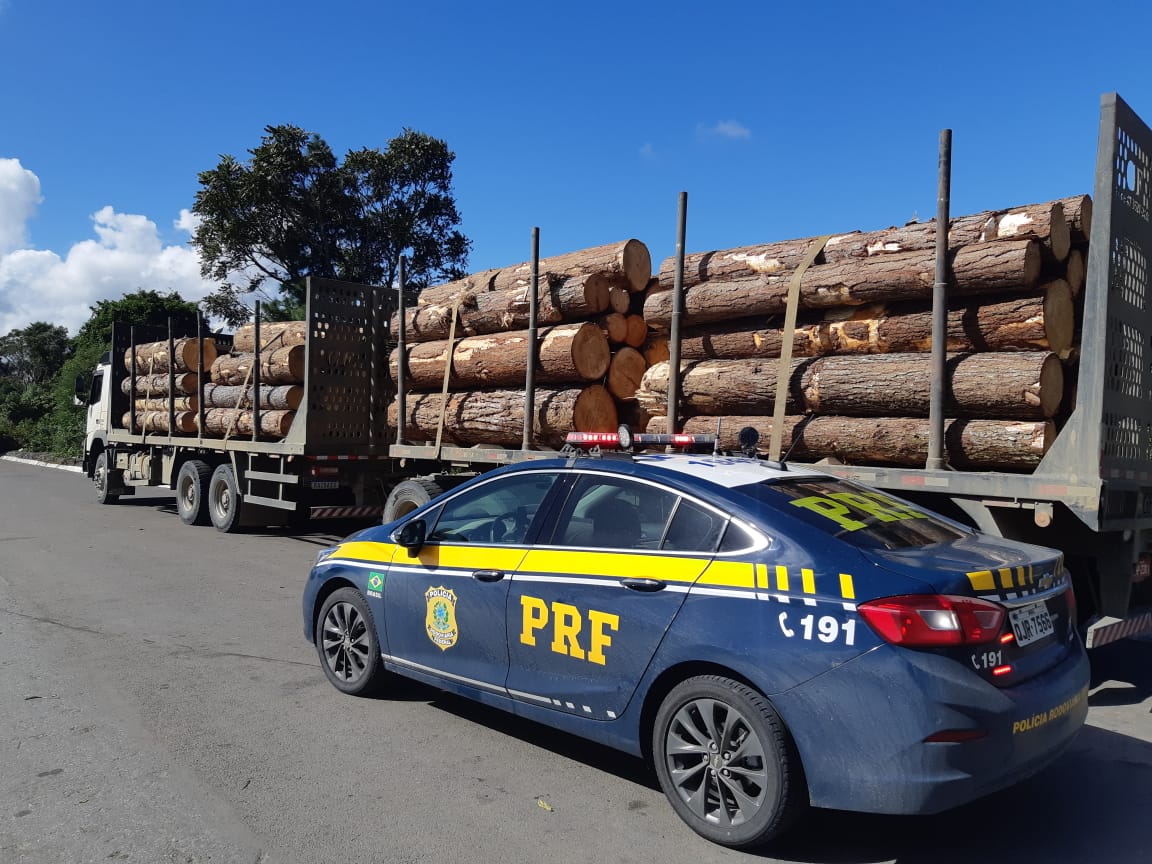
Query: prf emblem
{"points": [[440, 621]]}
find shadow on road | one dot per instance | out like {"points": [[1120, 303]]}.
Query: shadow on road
{"points": [[1122, 675]]}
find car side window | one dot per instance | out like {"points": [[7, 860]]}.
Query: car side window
{"points": [[693, 529], [614, 513], [500, 511]]}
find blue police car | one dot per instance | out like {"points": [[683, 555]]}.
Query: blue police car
{"points": [[768, 636]]}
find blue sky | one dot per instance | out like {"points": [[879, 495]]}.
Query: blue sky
{"points": [[780, 120]]}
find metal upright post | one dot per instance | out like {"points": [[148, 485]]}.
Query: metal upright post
{"points": [[677, 315], [530, 366], [199, 374], [256, 376], [171, 380], [940, 308], [401, 352], [131, 382]]}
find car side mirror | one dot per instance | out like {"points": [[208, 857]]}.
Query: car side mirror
{"points": [[411, 535]]}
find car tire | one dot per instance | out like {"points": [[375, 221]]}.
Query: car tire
{"points": [[742, 796], [192, 484], [409, 495], [106, 480], [347, 644], [224, 500]]}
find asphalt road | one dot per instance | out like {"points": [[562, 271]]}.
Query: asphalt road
{"points": [[158, 704]]}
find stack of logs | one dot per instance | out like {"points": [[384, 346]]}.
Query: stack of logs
{"points": [[587, 355], [228, 393], [858, 390]]}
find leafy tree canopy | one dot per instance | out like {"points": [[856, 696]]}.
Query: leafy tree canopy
{"points": [[34, 354], [140, 307], [294, 210]]}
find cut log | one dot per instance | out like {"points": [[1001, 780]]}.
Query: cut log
{"points": [[656, 350], [237, 423], [1006, 265], [625, 373], [179, 404], [1078, 212], [445, 294], [273, 334], [157, 421], [1016, 386], [496, 417], [283, 397], [152, 357], [615, 327], [1045, 321], [1076, 273], [280, 366], [154, 386], [619, 299], [635, 330], [982, 445], [568, 353], [629, 260], [1034, 220], [561, 300]]}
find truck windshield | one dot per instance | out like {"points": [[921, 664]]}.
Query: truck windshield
{"points": [[860, 516]]}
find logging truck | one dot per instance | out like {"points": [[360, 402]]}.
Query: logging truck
{"points": [[1037, 426]]}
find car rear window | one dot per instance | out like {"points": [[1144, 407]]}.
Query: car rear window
{"points": [[858, 515]]}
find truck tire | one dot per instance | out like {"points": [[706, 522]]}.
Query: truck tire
{"points": [[224, 500], [192, 492], [409, 495], [106, 480]]}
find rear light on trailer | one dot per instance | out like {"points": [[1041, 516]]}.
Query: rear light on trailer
{"points": [[324, 471], [927, 620]]}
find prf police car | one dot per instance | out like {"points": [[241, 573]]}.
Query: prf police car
{"points": [[768, 636]]}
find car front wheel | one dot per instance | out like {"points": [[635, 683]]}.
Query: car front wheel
{"points": [[347, 644], [726, 763]]}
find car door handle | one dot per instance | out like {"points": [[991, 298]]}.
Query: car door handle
{"points": [[488, 575], [645, 585]]}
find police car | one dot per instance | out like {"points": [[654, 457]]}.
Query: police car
{"points": [[767, 635]]}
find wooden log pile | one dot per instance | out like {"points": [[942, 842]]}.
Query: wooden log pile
{"points": [[159, 371], [858, 387], [588, 366]]}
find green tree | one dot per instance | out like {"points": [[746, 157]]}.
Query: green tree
{"points": [[294, 210], [34, 354]]}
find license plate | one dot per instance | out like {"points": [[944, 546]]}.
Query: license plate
{"points": [[1030, 623], [325, 484]]}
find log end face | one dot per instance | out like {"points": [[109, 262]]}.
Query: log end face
{"points": [[1059, 316], [1033, 264], [1051, 385], [636, 262], [595, 410], [1059, 236], [590, 352]]}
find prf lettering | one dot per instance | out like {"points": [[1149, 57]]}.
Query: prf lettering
{"points": [[567, 627]]}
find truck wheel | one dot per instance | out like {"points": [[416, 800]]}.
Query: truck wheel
{"points": [[192, 492], [224, 500], [106, 479], [726, 763], [409, 495]]}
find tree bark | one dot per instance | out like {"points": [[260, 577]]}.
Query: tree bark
{"points": [[446, 293], [560, 300], [157, 421], [155, 386], [179, 404], [283, 397], [1020, 324], [496, 417], [1041, 221], [568, 353], [625, 373], [1016, 386], [152, 357], [628, 260], [237, 423], [1078, 212], [273, 334], [982, 445], [1006, 265], [280, 366]]}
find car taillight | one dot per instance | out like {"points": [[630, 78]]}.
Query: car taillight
{"points": [[925, 620]]}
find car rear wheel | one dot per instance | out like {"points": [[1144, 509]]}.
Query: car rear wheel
{"points": [[192, 492], [346, 642], [726, 763]]}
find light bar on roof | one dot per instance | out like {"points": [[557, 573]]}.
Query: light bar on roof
{"points": [[640, 439]]}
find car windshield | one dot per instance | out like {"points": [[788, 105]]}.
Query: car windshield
{"points": [[860, 516]]}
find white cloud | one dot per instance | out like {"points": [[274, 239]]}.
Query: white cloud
{"points": [[127, 255], [729, 129]]}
